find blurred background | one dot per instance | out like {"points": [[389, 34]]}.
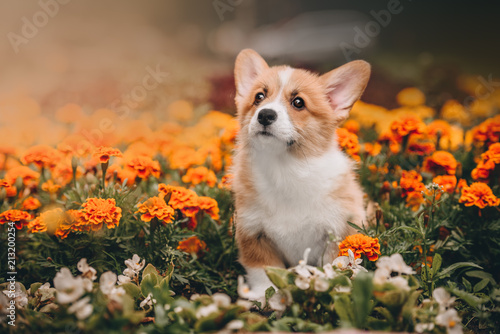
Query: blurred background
{"points": [[136, 57]]}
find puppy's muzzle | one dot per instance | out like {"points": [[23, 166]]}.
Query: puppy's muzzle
{"points": [[267, 117]]}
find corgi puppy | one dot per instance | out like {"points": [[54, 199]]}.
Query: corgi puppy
{"points": [[293, 185]]}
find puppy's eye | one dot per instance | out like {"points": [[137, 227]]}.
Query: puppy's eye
{"points": [[258, 98], [298, 103]]}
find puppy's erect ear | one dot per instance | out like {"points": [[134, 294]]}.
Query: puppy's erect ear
{"points": [[345, 84], [249, 64]]}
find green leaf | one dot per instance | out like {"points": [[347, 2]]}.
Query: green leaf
{"points": [[269, 293], [436, 263], [481, 285], [150, 269], [481, 274], [343, 308], [467, 284], [362, 288], [409, 228], [469, 298], [148, 284], [278, 276], [448, 270], [34, 287], [132, 290]]}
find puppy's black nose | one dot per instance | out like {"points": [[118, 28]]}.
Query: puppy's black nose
{"points": [[267, 117]]}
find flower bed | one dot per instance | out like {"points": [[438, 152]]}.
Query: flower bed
{"points": [[132, 231]]}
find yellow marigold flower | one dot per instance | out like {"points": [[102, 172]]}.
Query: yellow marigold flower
{"points": [[198, 175], [439, 127], [452, 110], [50, 187], [104, 153], [96, 212], [144, 167], [410, 97], [41, 156], [360, 244], [349, 142], [478, 194], [406, 125], [441, 162], [31, 203], [210, 206], [155, 207], [181, 198], [48, 220], [20, 218], [29, 176], [192, 245], [180, 110]]}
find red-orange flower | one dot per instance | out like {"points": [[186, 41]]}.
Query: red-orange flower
{"points": [[18, 217], [487, 132], [411, 182], [209, 205], [144, 166], [184, 157], [9, 189], [406, 125], [104, 153], [420, 146], [480, 195], [155, 207], [31, 203], [41, 156], [448, 182], [360, 244], [352, 126], [181, 198], [373, 149], [198, 175], [50, 187], [414, 200], [440, 162], [96, 212], [349, 142], [489, 160], [192, 245], [29, 176], [226, 181]]}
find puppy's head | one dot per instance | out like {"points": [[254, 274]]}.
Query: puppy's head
{"points": [[294, 110]]}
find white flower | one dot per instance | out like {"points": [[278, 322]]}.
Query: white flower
{"points": [[87, 284], [134, 266], [122, 279], [69, 288], [243, 288], [221, 299], [117, 293], [247, 305], [400, 282], [443, 298], [349, 262], [394, 263], [424, 327], [235, 325], [178, 309], [329, 271], [279, 301], [148, 301], [86, 270], [321, 284], [342, 289], [205, 311], [302, 282], [107, 282], [303, 269], [451, 321], [20, 296], [195, 297], [82, 309]]}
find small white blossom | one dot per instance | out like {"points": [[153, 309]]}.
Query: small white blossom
{"points": [[321, 284], [247, 305], [279, 301], [221, 299], [82, 309], [394, 263], [443, 298], [195, 297], [178, 309], [86, 270], [424, 327], [243, 288], [20, 296], [329, 271], [148, 301], [349, 262], [205, 311], [451, 321], [69, 288], [122, 279], [302, 282], [117, 294], [107, 282], [235, 325], [134, 266]]}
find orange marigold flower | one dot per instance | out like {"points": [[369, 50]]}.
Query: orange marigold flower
{"points": [[352, 126], [41, 156], [448, 182], [212, 154], [226, 181], [96, 212], [210, 206], [231, 130], [360, 244], [198, 175], [420, 146], [440, 162], [20, 218], [181, 198], [349, 142], [184, 157], [155, 207], [144, 166], [9, 189], [373, 149], [192, 245], [487, 132], [29, 176], [489, 160], [454, 111], [410, 97], [414, 199], [73, 223], [439, 127], [391, 140], [104, 153], [480, 195], [406, 125], [31, 203], [50, 187], [411, 181]]}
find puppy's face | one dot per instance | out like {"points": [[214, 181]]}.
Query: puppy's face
{"points": [[282, 109]]}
